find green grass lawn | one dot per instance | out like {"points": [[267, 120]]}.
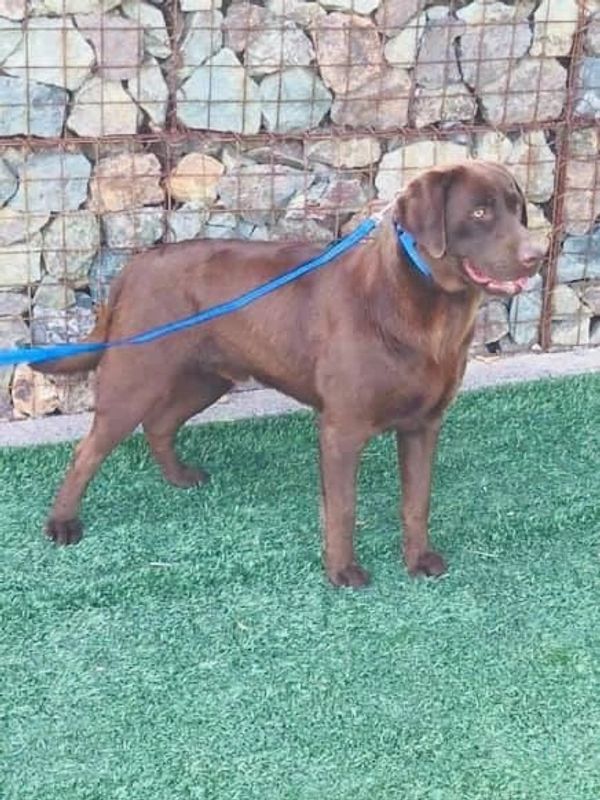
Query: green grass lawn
{"points": [[190, 647]]}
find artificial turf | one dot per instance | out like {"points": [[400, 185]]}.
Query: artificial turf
{"points": [[190, 647]]}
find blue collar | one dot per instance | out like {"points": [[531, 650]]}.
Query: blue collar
{"points": [[410, 249]]}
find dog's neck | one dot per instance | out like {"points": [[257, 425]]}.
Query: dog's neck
{"points": [[442, 307], [444, 273]]}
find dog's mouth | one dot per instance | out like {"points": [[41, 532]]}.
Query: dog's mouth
{"points": [[493, 285]]}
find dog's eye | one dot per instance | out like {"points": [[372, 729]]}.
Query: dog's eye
{"points": [[480, 213]]}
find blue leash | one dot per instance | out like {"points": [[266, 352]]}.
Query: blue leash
{"points": [[34, 355]]}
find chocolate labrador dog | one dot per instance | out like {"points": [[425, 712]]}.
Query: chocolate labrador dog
{"points": [[369, 342]]}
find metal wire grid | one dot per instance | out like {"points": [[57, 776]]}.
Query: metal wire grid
{"points": [[125, 169]]}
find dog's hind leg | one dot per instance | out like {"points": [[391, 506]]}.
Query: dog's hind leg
{"points": [[111, 425], [188, 395]]}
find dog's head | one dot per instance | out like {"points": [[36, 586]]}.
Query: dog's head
{"points": [[473, 216]]}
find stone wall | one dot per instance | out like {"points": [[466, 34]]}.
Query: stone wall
{"points": [[125, 123]]}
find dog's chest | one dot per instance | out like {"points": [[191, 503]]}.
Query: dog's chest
{"points": [[411, 397]]}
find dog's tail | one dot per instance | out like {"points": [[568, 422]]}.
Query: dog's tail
{"points": [[86, 361]]}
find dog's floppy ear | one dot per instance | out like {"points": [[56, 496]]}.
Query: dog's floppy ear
{"points": [[421, 210]]}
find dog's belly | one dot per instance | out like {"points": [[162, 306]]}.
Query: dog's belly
{"points": [[291, 373], [301, 392], [299, 389]]}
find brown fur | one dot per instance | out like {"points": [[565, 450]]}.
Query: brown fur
{"points": [[367, 341]]}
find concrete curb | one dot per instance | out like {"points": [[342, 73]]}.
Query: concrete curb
{"points": [[481, 373]]}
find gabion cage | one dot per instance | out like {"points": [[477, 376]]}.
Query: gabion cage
{"points": [[124, 124]]}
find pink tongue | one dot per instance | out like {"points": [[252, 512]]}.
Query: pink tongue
{"points": [[506, 287], [475, 274]]}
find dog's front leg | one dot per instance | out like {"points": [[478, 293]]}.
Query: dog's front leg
{"points": [[416, 452], [340, 453]]}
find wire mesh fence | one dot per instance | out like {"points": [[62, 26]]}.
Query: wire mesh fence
{"points": [[125, 124]]}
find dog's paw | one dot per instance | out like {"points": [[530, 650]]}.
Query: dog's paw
{"points": [[429, 563], [64, 532], [186, 477], [353, 575]]}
